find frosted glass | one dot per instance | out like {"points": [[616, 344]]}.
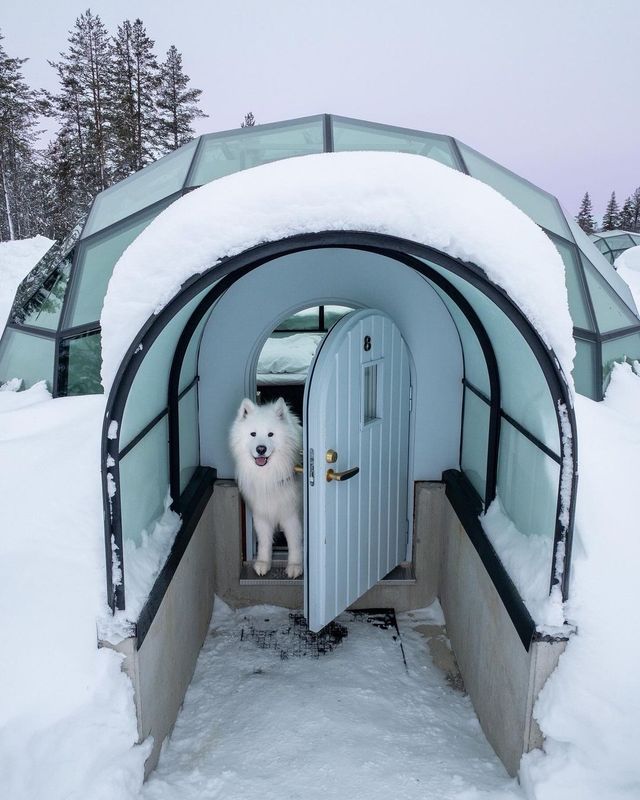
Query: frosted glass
{"points": [[23, 355], [189, 436], [221, 155], [96, 260], [144, 482], [353, 135], [577, 301], [543, 208], [611, 312], [155, 182], [475, 366], [475, 438], [585, 369], [524, 391], [148, 395], [528, 483]]}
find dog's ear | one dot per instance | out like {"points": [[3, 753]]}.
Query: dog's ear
{"points": [[246, 408], [281, 408]]}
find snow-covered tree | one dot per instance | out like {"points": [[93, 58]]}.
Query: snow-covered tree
{"points": [[249, 120], [635, 209], [80, 105], [177, 104], [611, 219], [133, 86], [585, 215], [626, 215], [19, 108]]}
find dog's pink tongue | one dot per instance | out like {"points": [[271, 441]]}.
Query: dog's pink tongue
{"points": [[261, 461]]}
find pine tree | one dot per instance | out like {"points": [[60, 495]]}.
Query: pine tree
{"points": [[177, 104], [635, 210], [80, 105], [585, 215], [611, 219], [134, 83], [249, 120], [19, 108], [626, 215]]}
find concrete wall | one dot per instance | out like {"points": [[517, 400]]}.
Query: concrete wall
{"points": [[501, 677]]}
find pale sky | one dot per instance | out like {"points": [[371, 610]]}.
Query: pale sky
{"points": [[548, 88]]}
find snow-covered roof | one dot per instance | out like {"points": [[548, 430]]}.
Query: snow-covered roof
{"points": [[391, 193]]}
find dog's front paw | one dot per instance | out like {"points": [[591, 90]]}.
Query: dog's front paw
{"points": [[262, 567], [294, 570]]}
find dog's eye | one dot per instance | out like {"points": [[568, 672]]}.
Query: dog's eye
{"points": [[253, 433], [269, 434]]}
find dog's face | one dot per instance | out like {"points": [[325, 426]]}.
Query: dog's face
{"points": [[259, 431]]}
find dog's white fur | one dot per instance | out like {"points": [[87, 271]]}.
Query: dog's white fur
{"points": [[271, 434]]}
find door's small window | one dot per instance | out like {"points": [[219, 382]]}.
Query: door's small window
{"points": [[370, 394]]}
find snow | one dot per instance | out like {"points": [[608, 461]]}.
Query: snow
{"points": [[17, 259], [67, 722], [628, 266], [288, 354], [522, 556], [391, 193], [354, 723], [589, 709]]}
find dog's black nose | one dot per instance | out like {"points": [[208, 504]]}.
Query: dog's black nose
{"points": [[261, 449]]}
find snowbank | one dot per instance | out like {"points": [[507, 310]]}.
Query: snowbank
{"points": [[589, 710], [392, 193], [17, 259], [67, 720], [628, 266]]}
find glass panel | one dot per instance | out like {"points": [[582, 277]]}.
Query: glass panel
{"points": [[333, 313], [626, 347], [599, 262], [23, 355], [306, 320], [370, 393], [543, 208], [475, 438], [353, 135], [144, 482], [475, 366], [156, 181], [83, 364], [223, 154], [522, 527], [148, 395], [602, 245], [621, 242], [189, 436], [577, 301], [525, 394], [611, 311], [43, 309], [586, 371], [96, 260], [528, 482]]}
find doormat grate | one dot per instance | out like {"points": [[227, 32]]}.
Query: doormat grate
{"points": [[293, 639]]}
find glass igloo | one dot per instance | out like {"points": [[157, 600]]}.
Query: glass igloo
{"points": [[53, 331], [612, 243]]}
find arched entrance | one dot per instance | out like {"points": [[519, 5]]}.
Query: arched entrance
{"points": [[515, 427]]}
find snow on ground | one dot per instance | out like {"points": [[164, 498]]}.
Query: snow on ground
{"points": [[391, 193], [17, 259], [67, 721], [353, 723], [628, 266], [589, 709]]}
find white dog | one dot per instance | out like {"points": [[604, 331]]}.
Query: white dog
{"points": [[266, 442]]}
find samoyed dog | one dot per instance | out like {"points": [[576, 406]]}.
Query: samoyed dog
{"points": [[266, 442]]}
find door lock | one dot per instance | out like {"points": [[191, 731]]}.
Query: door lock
{"points": [[331, 456]]}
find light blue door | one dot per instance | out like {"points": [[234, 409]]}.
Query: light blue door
{"points": [[357, 407]]}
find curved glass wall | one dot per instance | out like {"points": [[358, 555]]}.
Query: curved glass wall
{"points": [[63, 296]]}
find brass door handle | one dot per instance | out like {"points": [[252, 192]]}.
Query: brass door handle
{"points": [[342, 476]]}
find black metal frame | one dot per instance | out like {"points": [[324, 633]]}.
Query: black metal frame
{"points": [[224, 274]]}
